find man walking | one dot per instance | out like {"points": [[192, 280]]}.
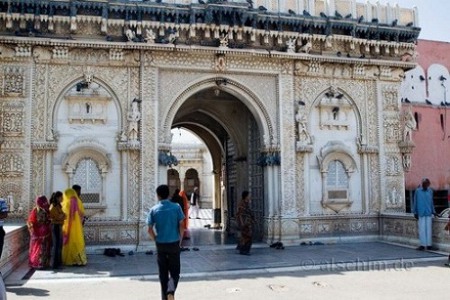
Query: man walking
{"points": [[423, 209], [165, 227]]}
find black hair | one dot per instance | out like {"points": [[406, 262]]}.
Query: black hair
{"points": [[54, 198], [245, 194], [77, 188], [163, 191]]}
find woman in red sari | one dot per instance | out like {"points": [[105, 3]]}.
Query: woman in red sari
{"points": [[40, 234]]}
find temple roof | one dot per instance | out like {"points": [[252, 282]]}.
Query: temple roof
{"points": [[213, 12]]}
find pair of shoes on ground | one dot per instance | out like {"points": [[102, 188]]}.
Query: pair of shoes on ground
{"points": [[422, 248], [277, 245], [112, 252]]}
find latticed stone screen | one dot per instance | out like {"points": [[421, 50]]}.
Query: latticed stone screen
{"points": [[337, 178], [87, 175]]}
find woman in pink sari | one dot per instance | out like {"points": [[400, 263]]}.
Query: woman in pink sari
{"points": [[40, 234]]}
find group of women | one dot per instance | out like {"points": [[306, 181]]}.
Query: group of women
{"points": [[56, 231]]}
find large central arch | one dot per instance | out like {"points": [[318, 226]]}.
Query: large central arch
{"points": [[235, 127]]}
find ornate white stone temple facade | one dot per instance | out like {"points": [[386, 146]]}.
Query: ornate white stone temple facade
{"points": [[298, 104]]}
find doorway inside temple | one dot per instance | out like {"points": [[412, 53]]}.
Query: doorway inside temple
{"points": [[223, 164]]}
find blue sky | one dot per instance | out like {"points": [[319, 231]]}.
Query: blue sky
{"points": [[434, 17]]}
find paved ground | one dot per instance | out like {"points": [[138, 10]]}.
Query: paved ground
{"points": [[371, 270], [355, 270]]}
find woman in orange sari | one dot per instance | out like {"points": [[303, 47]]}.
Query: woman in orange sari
{"points": [[186, 214], [73, 251], [40, 234]]}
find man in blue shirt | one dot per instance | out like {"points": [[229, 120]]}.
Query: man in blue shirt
{"points": [[423, 210], [165, 227]]}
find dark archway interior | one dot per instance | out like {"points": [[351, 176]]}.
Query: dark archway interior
{"points": [[229, 130]]}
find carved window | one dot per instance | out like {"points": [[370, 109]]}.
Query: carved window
{"points": [[88, 176], [337, 181]]}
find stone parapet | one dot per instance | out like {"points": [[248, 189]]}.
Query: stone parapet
{"points": [[15, 249]]}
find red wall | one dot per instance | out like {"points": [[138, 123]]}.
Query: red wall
{"points": [[432, 52], [431, 156]]}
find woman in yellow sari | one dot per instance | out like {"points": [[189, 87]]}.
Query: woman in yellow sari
{"points": [[73, 251]]}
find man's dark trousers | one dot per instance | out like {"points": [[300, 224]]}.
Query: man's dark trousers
{"points": [[168, 263]]}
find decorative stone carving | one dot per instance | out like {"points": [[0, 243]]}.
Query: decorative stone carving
{"points": [[134, 116], [60, 52], [334, 110], [150, 36], [11, 165], [409, 125], [391, 130], [306, 48], [6, 52], [220, 63], [131, 35], [41, 54], [303, 136], [390, 98], [12, 119], [394, 198], [87, 108], [392, 165], [23, 50], [116, 54], [12, 81], [333, 197], [291, 42], [223, 41]]}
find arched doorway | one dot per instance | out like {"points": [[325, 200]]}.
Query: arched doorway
{"points": [[230, 131]]}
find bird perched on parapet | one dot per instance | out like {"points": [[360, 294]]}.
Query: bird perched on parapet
{"points": [[338, 54], [306, 47], [428, 102], [360, 19], [421, 78], [291, 12], [374, 20], [363, 56], [323, 15], [329, 94], [158, 1], [349, 16], [306, 14], [406, 100], [337, 15], [250, 3], [394, 23], [300, 102], [262, 8], [348, 55], [201, 2], [409, 24]]}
